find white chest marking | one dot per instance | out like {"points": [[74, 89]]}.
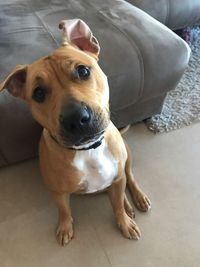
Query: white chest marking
{"points": [[98, 166]]}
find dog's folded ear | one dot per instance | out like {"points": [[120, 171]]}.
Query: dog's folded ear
{"points": [[77, 32], [15, 81]]}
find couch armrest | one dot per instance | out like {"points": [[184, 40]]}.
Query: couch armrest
{"points": [[162, 55]]}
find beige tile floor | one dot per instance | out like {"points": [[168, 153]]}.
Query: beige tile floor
{"points": [[167, 167]]}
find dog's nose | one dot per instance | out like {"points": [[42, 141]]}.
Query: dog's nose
{"points": [[76, 117]]}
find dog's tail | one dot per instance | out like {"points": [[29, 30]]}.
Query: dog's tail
{"points": [[123, 130]]}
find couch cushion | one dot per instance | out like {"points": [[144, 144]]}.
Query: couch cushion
{"points": [[31, 31]]}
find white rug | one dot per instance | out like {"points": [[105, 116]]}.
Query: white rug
{"points": [[182, 105]]}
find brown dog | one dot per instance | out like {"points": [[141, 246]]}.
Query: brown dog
{"points": [[81, 151]]}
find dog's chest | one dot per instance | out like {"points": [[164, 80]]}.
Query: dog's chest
{"points": [[98, 167]]}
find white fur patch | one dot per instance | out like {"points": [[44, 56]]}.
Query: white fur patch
{"points": [[98, 166]]}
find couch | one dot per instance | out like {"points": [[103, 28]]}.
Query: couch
{"points": [[142, 58]]}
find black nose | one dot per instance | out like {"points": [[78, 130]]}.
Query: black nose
{"points": [[75, 117]]}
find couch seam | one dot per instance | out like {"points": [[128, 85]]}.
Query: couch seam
{"points": [[133, 44], [168, 10], [44, 26]]}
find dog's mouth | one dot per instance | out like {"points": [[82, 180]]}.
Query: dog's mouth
{"points": [[89, 139], [88, 142], [85, 143]]}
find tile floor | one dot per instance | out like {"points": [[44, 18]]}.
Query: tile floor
{"points": [[167, 167]]}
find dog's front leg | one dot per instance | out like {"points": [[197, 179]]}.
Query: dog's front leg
{"points": [[140, 199], [65, 229], [116, 193]]}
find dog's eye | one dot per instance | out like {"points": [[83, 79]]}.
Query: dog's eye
{"points": [[82, 72], [39, 94]]}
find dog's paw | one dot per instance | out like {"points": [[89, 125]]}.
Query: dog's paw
{"points": [[64, 233], [129, 228], [141, 201], [129, 210]]}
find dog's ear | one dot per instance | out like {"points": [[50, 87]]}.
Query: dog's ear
{"points": [[15, 81], [77, 32]]}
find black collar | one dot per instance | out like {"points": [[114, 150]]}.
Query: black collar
{"points": [[93, 146]]}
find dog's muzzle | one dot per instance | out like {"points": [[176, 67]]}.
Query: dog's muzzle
{"points": [[80, 126]]}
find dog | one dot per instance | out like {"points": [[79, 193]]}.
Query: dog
{"points": [[80, 150]]}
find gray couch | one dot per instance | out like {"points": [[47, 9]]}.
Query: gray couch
{"points": [[142, 58]]}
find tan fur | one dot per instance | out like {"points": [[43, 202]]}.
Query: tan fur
{"points": [[60, 176]]}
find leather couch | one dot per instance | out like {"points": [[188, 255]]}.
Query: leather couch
{"points": [[142, 58]]}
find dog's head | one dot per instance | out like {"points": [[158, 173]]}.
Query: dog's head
{"points": [[67, 91]]}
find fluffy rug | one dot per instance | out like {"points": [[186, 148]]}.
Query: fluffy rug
{"points": [[182, 105]]}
